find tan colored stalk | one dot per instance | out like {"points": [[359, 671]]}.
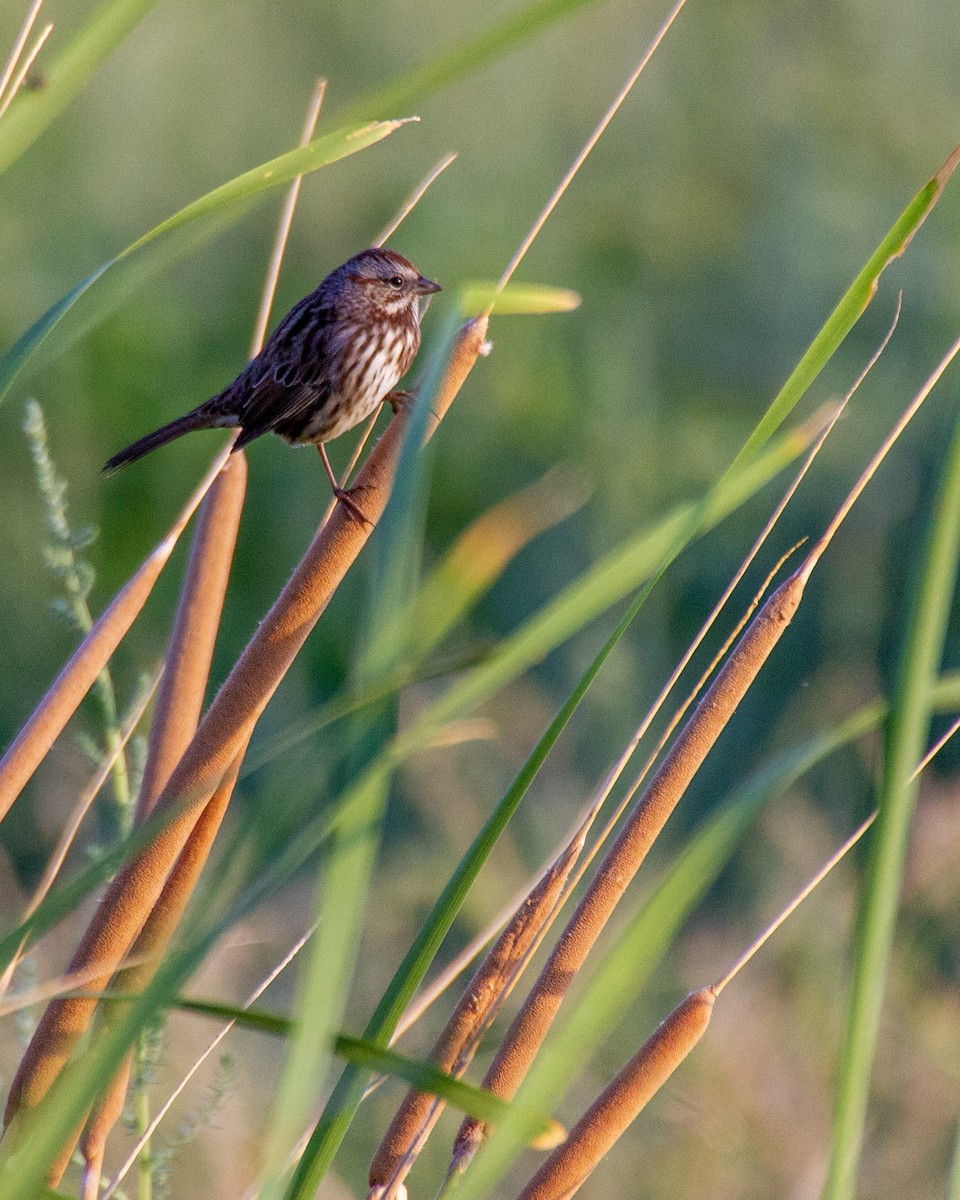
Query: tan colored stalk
{"points": [[190, 650], [224, 731], [624, 858], [18, 46], [414, 199], [619, 1104], [25, 66], [30, 746], [165, 1107], [187, 671], [681, 763], [472, 1016], [588, 147], [146, 954], [87, 797], [284, 226]]}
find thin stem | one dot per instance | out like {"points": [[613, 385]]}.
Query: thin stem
{"points": [[414, 198], [283, 228], [168, 1103], [24, 68], [794, 903], [587, 148], [814, 556], [88, 795], [11, 64]]}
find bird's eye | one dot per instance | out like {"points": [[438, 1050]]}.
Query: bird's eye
{"points": [[396, 282]]}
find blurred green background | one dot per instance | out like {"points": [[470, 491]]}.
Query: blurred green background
{"points": [[748, 178]]}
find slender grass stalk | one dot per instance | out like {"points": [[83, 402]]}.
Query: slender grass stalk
{"points": [[111, 1188], [64, 696], [906, 733], [525, 1036], [222, 737], [17, 49], [28, 61], [472, 1016], [89, 794]]}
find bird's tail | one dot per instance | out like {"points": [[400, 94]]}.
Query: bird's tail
{"points": [[201, 418]]}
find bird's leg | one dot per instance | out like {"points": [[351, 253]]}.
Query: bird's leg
{"points": [[397, 400], [342, 494]]}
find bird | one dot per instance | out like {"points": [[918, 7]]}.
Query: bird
{"points": [[329, 363]]}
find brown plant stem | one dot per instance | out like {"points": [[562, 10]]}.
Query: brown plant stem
{"points": [[627, 853], [146, 954], [224, 732], [619, 1103], [63, 698], [628, 1093], [475, 1010], [190, 650], [528, 1030], [189, 655]]}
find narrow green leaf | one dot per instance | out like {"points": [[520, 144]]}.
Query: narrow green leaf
{"points": [[907, 730], [517, 298], [374, 1059], [64, 78], [591, 1017], [562, 618], [319, 153], [849, 310]]}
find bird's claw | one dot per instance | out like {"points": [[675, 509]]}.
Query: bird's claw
{"points": [[398, 400], [353, 508]]}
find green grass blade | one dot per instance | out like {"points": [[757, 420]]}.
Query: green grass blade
{"points": [[907, 730], [33, 111], [373, 1059], [565, 616], [849, 310], [594, 1015], [319, 153], [342, 1106], [357, 819]]}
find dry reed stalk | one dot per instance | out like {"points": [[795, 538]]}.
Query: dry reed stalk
{"points": [[224, 732], [7, 74], [618, 1106], [190, 650], [189, 655], [472, 1016], [619, 1103], [68, 1017], [25, 66], [28, 749], [146, 954], [87, 797], [625, 856], [681, 763]]}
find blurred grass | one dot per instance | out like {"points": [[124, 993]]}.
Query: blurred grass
{"points": [[750, 176]]}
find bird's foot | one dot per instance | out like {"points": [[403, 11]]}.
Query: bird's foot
{"points": [[398, 400], [346, 498]]}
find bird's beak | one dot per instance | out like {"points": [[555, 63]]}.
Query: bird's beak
{"points": [[426, 287]]}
